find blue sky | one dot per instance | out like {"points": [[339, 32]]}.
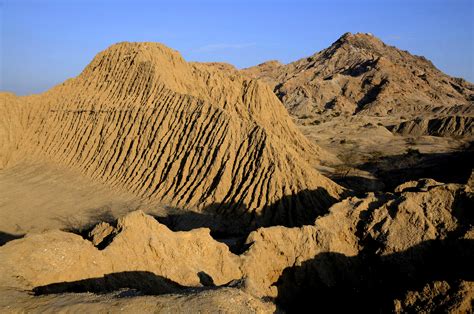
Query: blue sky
{"points": [[42, 43]]}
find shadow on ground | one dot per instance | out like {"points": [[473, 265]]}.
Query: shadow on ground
{"points": [[237, 218], [333, 282], [7, 237], [91, 217], [143, 282], [230, 223], [130, 283], [391, 171]]}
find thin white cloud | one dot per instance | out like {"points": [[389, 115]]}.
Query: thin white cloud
{"points": [[395, 37], [224, 46]]}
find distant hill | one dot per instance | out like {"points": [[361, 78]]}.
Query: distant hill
{"points": [[359, 74]]}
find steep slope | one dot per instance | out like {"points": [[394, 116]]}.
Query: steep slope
{"points": [[14, 119], [359, 73], [140, 118]]}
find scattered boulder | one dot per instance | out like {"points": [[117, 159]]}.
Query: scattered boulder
{"points": [[100, 232]]}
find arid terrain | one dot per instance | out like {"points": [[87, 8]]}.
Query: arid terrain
{"points": [[342, 181]]}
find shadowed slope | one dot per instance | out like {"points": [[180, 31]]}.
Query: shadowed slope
{"points": [[450, 125], [378, 284]]}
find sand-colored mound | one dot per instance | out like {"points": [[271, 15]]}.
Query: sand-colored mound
{"points": [[388, 223], [373, 250], [139, 243], [361, 74], [139, 118], [445, 126]]}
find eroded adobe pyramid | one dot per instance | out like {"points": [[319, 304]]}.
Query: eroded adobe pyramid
{"points": [[189, 135]]}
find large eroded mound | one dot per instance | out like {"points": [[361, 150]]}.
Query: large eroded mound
{"points": [[187, 135]]}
